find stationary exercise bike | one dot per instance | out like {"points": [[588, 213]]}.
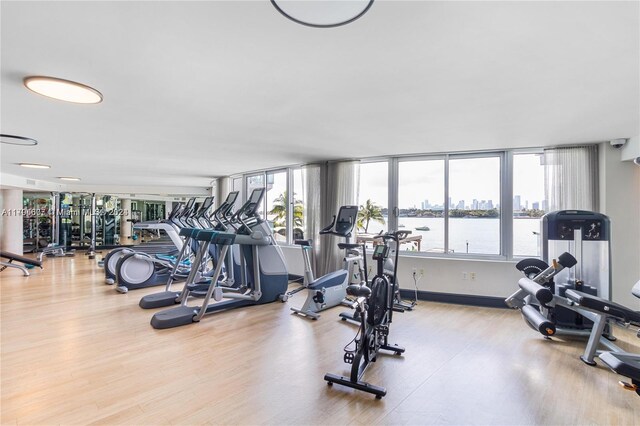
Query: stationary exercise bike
{"points": [[391, 260], [331, 289], [374, 305]]}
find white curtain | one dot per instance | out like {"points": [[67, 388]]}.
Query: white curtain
{"points": [[311, 212], [571, 178], [339, 187], [223, 187]]}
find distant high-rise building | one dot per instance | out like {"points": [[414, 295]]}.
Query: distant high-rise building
{"points": [[535, 205], [516, 203], [526, 205], [474, 204], [460, 205], [489, 204]]}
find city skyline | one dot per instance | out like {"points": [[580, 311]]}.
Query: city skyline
{"points": [[476, 204]]}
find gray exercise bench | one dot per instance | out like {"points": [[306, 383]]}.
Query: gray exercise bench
{"points": [[12, 257]]}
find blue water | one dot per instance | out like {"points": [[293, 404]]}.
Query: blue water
{"points": [[482, 235]]}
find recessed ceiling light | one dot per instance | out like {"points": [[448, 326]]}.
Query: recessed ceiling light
{"points": [[34, 166], [68, 178], [17, 140], [322, 13], [63, 90]]}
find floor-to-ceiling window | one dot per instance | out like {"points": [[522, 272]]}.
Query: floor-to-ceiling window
{"points": [[373, 216], [297, 200], [277, 203], [474, 205], [283, 203], [483, 204], [421, 204], [450, 203], [529, 203]]}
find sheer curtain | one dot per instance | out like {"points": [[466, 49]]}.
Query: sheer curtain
{"points": [[571, 178], [340, 183], [311, 212], [223, 187]]}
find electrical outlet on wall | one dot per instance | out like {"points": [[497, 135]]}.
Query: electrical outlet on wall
{"points": [[472, 275], [464, 276]]}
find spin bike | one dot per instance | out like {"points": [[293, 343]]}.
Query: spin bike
{"points": [[331, 289], [390, 261], [374, 305]]}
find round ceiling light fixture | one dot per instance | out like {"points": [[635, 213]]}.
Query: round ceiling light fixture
{"points": [[34, 166], [322, 13], [63, 90], [17, 140], [70, 178]]}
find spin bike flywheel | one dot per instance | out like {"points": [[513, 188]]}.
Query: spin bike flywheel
{"points": [[378, 301]]}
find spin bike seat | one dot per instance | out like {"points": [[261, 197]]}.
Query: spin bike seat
{"points": [[348, 246], [358, 290], [304, 243]]}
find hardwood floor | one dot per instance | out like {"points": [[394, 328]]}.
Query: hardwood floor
{"points": [[76, 352]]}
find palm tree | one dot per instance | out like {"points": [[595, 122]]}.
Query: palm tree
{"points": [[370, 211], [279, 211]]}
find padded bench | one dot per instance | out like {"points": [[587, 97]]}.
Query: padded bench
{"points": [[604, 306], [12, 257], [623, 363]]}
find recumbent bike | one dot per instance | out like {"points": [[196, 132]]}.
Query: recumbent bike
{"points": [[331, 289]]}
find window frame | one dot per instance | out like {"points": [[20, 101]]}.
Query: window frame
{"points": [[393, 167], [511, 153], [504, 182], [390, 212], [289, 190]]}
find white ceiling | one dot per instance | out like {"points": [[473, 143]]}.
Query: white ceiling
{"points": [[194, 90]]}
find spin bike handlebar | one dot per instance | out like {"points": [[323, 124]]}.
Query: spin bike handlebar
{"points": [[395, 236]]}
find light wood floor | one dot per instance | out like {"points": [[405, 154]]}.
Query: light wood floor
{"points": [[76, 352]]}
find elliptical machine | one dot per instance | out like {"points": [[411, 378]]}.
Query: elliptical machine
{"points": [[169, 297], [374, 305], [169, 245], [136, 270], [331, 289], [264, 271]]}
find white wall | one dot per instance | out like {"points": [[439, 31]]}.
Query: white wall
{"points": [[620, 200], [11, 238], [493, 278], [631, 149]]}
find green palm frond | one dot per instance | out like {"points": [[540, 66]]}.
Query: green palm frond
{"points": [[367, 213]]}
